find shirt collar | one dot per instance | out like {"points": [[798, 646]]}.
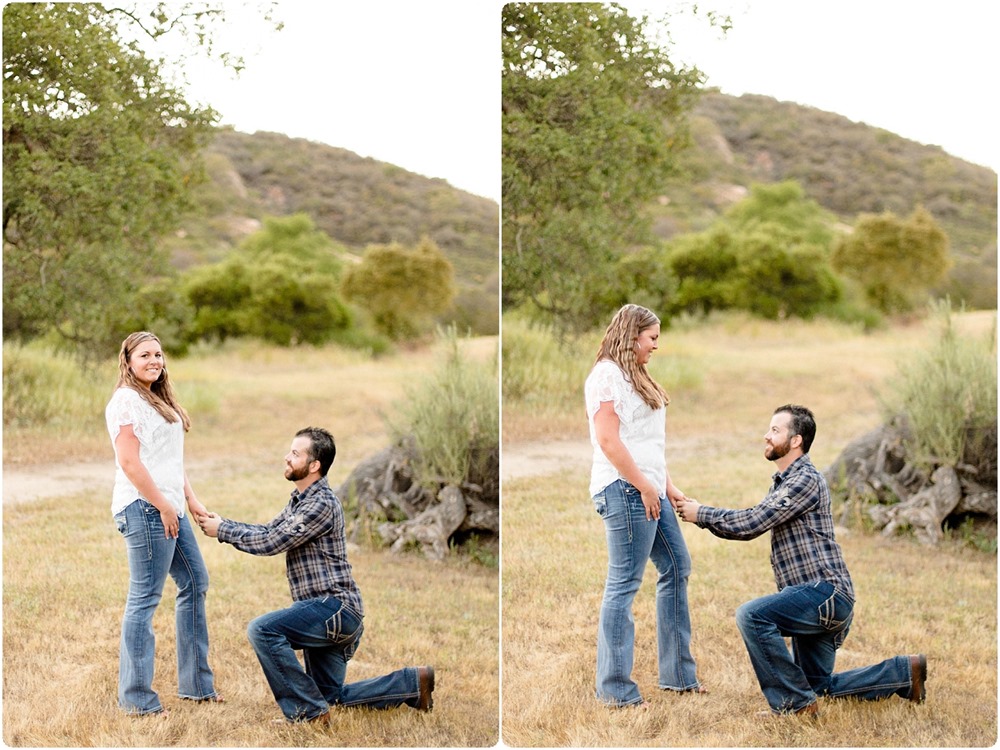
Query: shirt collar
{"points": [[780, 476], [296, 495]]}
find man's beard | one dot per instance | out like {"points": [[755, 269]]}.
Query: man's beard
{"points": [[774, 452], [293, 475]]}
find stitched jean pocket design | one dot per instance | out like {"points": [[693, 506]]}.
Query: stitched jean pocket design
{"points": [[343, 628], [836, 619]]}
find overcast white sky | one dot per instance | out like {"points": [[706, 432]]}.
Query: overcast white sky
{"points": [[418, 84]]}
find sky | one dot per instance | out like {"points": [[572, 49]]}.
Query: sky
{"points": [[418, 84]]}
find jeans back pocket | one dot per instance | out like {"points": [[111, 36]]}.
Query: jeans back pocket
{"points": [[344, 627]]}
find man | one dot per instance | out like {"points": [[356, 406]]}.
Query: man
{"points": [[325, 620], [815, 600]]}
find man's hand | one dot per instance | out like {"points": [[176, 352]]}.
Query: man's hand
{"points": [[688, 510], [210, 523]]}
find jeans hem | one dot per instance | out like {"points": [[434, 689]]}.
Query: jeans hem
{"points": [[687, 689], [618, 704], [152, 711]]}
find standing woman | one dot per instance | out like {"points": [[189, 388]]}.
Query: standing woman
{"points": [[626, 409], [147, 428]]}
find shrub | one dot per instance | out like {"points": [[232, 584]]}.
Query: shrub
{"points": [[454, 418], [949, 394]]}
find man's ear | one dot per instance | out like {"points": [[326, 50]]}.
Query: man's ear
{"points": [[792, 442]]}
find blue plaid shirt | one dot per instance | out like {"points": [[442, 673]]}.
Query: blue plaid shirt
{"points": [[797, 513], [311, 531]]}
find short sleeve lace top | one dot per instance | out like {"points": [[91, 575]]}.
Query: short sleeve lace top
{"points": [[643, 430], [161, 449]]}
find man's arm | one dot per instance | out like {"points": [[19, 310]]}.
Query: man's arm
{"points": [[793, 498], [309, 519]]}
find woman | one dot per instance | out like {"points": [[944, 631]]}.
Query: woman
{"points": [[147, 428], [626, 409]]}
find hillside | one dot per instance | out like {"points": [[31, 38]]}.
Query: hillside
{"points": [[356, 200], [846, 167]]}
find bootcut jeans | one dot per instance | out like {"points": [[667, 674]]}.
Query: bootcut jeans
{"points": [[632, 542], [151, 557], [328, 633], [817, 618]]}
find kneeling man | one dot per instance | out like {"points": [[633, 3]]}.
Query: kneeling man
{"points": [[326, 619], [814, 605]]}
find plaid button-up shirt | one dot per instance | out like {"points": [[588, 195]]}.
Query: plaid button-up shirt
{"points": [[797, 513], [311, 531]]}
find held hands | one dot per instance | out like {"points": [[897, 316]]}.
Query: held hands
{"points": [[210, 523], [687, 510]]}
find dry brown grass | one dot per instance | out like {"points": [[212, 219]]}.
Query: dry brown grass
{"points": [[65, 577], [940, 601]]}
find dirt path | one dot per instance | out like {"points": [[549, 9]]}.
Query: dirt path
{"points": [[31, 483], [25, 485], [535, 459]]}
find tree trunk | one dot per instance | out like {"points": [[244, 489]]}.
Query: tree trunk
{"points": [[409, 511], [875, 474]]}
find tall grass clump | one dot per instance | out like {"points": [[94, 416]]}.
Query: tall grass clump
{"points": [[538, 368], [948, 394], [453, 416], [45, 387]]}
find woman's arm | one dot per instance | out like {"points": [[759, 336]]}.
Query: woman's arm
{"points": [[194, 505], [127, 449], [607, 431]]}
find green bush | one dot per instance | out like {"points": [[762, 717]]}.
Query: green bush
{"points": [[948, 393], [44, 387], [538, 369], [454, 418]]}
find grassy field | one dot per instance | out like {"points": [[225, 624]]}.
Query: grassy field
{"points": [[725, 379], [65, 574]]}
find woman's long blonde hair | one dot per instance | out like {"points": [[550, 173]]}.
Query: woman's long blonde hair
{"points": [[618, 345], [160, 394]]}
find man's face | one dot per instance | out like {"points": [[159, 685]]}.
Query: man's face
{"points": [[298, 459], [777, 439]]}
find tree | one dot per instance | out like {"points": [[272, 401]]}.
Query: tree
{"points": [[403, 288], [592, 119], [99, 151], [769, 255], [280, 285], [896, 261]]}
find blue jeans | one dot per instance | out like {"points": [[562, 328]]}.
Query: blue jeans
{"points": [[151, 556], [632, 541], [817, 618], [328, 633]]}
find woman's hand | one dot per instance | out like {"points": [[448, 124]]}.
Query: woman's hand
{"points": [[171, 523], [651, 501], [198, 510], [675, 496]]}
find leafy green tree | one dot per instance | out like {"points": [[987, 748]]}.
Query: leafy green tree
{"points": [[280, 285], [98, 153], [403, 288], [785, 204], [769, 255], [592, 119], [896, 261]]}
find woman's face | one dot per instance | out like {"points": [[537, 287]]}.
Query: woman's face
{"points": [[146, 362], [647, 343]]}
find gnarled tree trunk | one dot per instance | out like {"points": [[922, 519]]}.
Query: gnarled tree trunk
{"points": [[407, 510], [876, 475]]}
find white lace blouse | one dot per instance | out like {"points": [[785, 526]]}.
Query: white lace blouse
{"points": [[161, 449], [642, 430]]}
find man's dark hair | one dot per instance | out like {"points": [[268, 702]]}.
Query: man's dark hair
{"points": [[803, 423], [323, 449]]}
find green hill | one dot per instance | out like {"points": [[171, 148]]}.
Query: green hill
{"points": [[847, 167], [356, 200]]}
